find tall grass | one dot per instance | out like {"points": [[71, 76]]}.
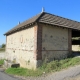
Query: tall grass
{"points": [[45, 68]]}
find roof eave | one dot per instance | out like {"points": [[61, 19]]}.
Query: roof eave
{"points": [[21, 28], [60, 26]]}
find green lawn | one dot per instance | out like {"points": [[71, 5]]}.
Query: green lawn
{"points": [[45, 68]]}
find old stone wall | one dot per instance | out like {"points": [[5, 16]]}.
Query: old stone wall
{"points": [[54, 43], [20, 47], [38, 43]]}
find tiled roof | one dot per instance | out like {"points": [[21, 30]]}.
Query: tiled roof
{"points": [[59, 21], [24, 24], [48, 19]]}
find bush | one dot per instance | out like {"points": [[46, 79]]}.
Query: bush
{"points": [[3, 46]]}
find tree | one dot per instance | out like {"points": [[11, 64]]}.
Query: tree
{"points": [[3, 45]]}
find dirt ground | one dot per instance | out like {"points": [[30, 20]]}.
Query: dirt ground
{"points": [[73, 78]]}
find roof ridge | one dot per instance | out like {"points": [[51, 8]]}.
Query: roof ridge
{"points": [[39, 16], [43, 17], [62, 17], [28, 21], [32, 17]]}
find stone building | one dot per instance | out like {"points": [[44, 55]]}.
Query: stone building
{"points": [[44, 37]]}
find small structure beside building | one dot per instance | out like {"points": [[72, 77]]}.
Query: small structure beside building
{"points": [[44, 37]]}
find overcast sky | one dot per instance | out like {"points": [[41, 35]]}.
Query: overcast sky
{"points": [[13, 11]]}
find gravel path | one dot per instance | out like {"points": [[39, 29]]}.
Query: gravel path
{"points": [[74, 78]]}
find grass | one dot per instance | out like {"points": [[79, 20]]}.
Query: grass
{"points": [[23, 72], [75, 38], [1, 61], [45, 68], [2, 49]]}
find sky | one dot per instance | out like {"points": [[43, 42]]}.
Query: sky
{"points": [[13, 11]]}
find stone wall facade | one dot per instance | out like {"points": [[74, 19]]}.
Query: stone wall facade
{"points": [[55, 42], [36, 44], [21, 46]]}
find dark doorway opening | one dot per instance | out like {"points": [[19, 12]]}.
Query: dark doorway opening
{"points": [[75, 37], [76, 42]]}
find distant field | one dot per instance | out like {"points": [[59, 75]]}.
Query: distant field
{"points": [[2, 49]]}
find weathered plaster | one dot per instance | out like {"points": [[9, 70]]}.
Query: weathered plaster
{"points": [[21, 46], [48, 56], [54, 42], [38, 43]]}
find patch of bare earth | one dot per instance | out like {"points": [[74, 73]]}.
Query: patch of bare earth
{"points": [[73, 78]]}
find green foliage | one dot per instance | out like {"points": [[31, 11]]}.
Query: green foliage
{"points": [[45, 68], [1, 61], [3, 45], [75, 38], [2, 49]]}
